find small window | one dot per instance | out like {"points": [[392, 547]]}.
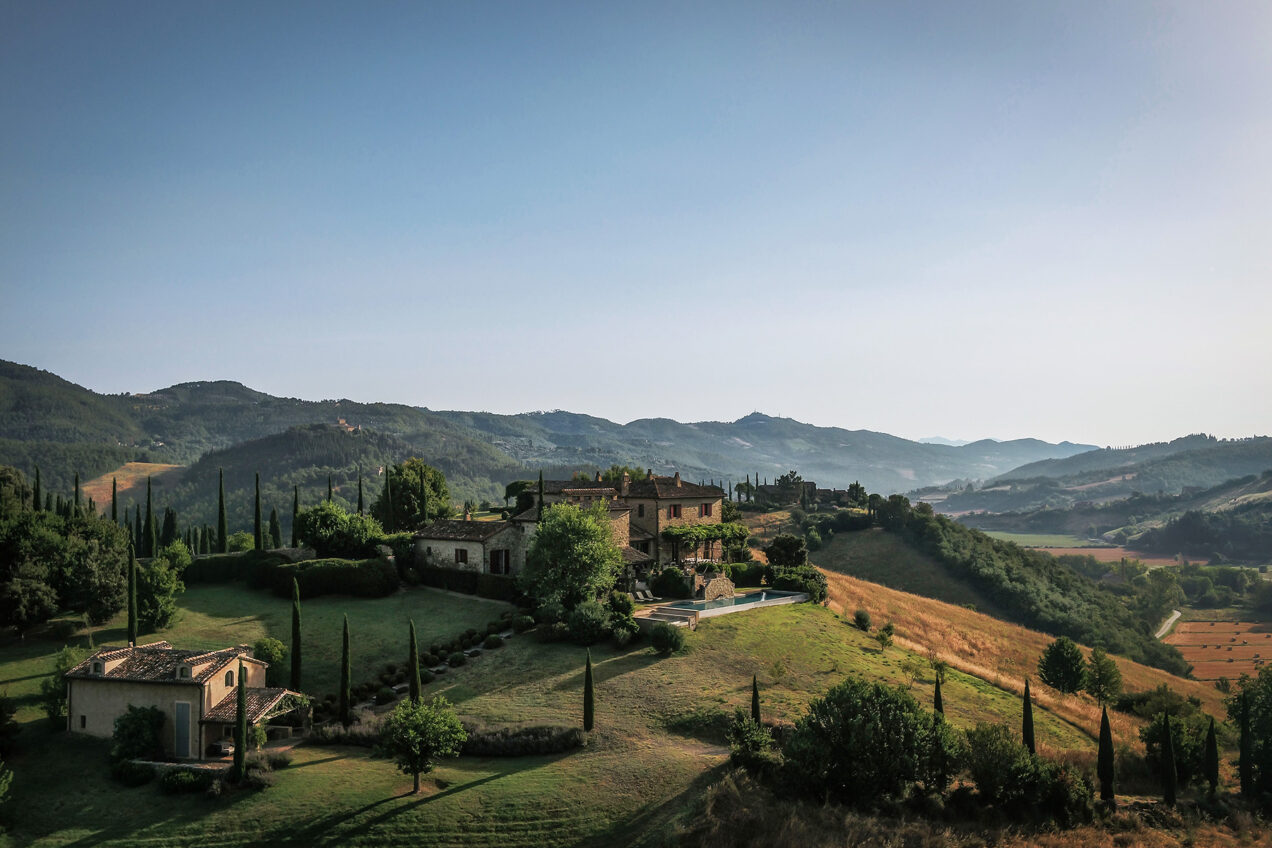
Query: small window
{"points": [[640, 510], [184, 671], [83, 722], [704, 511], [461, 556], [673, 511], [97, 668], [229, 678]]}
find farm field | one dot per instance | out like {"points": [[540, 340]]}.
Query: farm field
{"points": [[658, 741], [131, 483], [1223, 648], [1041, 540], [1111, 554]]}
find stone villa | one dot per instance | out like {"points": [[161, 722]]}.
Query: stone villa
{"points": [[639, 511]]}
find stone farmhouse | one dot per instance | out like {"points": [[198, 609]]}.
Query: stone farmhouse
{"points": [[639, 511], [195, 690]]}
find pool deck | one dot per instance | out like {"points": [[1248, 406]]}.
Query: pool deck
{"points": [[669, 613]]}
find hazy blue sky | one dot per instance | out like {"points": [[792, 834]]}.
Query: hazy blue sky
{"points": [[966, 219]]}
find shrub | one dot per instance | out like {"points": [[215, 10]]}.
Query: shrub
{"points": [[1025, 786], [625, 631], [385, 695], [131, 773], [525, 741], [278, 759], [860, 742], [548, 612], [670, 583], [589, 623], [492, 641], [495, 627], [429, 660], [256, 737], [750, 574], [138, 734], [861, 620], [371, 578], [1062, 666], [427, 676], [804, 578], [750, 743], [176, 781], [456, 659], [620, 604], [522, 623], [667, 639]]}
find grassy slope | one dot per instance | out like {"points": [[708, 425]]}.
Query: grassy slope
{"points": [[999, 652], [881, 557], [656, 745]]}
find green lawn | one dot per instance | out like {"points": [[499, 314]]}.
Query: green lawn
{"points": [[215, 616], [657, 740]]}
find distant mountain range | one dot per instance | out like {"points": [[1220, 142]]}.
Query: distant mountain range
{"points": [[1183, 466], [66, 428]]}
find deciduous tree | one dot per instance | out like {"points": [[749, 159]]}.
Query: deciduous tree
{"points": [[417, 734], [573, 556]]}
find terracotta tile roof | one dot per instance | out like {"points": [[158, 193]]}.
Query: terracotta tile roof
{"points": [[462, 531], [259, 703], [631, 556], [531, 514], [158, 663], [665, 487], [557, 487], [639, 534]]}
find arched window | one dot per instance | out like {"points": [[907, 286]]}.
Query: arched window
{"points": [[229, 678]]}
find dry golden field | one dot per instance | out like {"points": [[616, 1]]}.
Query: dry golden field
{"points": [[1223, 648], [131, 480]]}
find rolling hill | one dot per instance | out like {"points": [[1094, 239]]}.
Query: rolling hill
{"points": [[92, 433]]}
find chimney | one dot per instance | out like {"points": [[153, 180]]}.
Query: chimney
{"points": [[649, 472], [598, 476], [468, 516], [677, 479], [624, 484]]}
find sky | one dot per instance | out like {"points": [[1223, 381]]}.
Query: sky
{"points": [[966, 219]]}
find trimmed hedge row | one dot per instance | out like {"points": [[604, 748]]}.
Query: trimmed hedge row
{"points": [[368, 578], [495, 586], [225, 568], [522, 742]]}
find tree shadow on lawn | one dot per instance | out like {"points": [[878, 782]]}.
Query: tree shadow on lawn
{"points": [[646, 825], [339, 827], [612, 668]]}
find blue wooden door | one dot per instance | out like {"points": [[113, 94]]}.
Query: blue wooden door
{"points": [[182, 743]]}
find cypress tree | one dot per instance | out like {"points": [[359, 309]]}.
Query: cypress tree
{"points": [[1104, 761], [76, 509], [346, 672], [938, 705], [539, 517], [1245, 765], [1212, 758], [48, 501], [114, 502], [240, 730], [295, 646], [258, 534], [423, 498], [61, 509], [359, 493], [205, 543], [1026, 727], [92, 506], [137, 527], [148, 531], [755, 699], [1169, 777], [153, 541], [35, 493], [389, 524], [589, 703], [295, 511], [222, 533], [330, 491], [413, 666], [275, 529], [132, 596], [170, 532]]}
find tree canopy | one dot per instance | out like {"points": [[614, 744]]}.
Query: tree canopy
{"points": [[417, 734], [410, 510], [335, 532], [573, 556]]}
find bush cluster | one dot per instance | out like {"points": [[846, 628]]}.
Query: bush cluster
{"points": [[667, 639], [175, 781], [521, 742]]}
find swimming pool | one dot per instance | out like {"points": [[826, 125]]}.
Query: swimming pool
{"points": [[766, 597]]}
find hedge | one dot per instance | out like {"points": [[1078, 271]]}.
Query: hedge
{"points": [[224, 568], [495, 586], [369, 578], [525, 741]]}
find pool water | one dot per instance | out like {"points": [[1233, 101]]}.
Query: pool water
{"points": [[737, 600]]}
